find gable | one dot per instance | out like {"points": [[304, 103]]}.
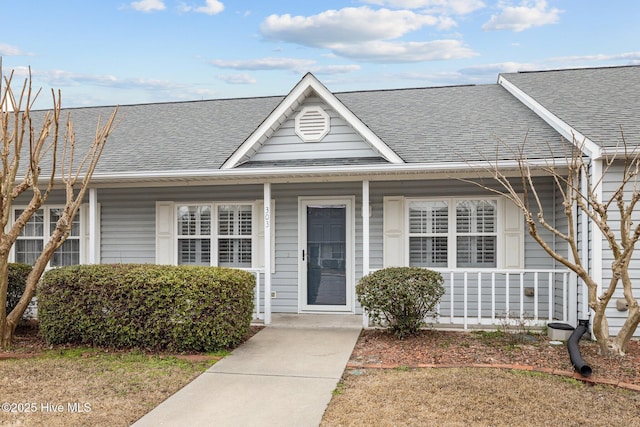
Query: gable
{"points": [[330, 139], [340, 134]]}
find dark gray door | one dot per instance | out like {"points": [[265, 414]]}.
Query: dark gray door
{"points": [[326, 255]]}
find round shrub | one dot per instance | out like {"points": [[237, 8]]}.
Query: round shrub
{"points": [[17, 275], [175, 308], [400, 297]]}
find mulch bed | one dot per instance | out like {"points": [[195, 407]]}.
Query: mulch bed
{"points": [[27, 343], [452, 348]]}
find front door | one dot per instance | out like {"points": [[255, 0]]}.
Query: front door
{"points": [[326, 254]]}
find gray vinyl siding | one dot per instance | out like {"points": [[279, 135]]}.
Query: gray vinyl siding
{"points": [[128, 216], [612, 180], [128, 229], [535, 257], [341, 141], [285, 280]]}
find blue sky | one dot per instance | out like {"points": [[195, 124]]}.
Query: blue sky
{"points": [[127, 52]]}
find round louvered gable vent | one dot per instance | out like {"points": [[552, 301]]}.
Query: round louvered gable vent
{"points": [[312, 124]]}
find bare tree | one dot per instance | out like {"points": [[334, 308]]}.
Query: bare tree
{"points": [[21, 136], [612, 216]]}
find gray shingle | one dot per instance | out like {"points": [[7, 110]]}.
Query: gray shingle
{"points": [[453, 123], [430, 125], [597, 102]]}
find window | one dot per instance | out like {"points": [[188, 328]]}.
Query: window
{"points": [[231, 234], [453, 232], [194, 235], [36, 233], [234, 235]]}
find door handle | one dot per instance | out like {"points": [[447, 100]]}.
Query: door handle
{"points": [[303, 254]]}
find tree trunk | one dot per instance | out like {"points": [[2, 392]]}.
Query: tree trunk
{"points": [[620, 342], [6, 329]]}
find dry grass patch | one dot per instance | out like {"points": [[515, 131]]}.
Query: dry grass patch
{"points": [[478, 397], [112, 389]]}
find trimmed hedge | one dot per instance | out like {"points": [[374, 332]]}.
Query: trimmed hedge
{"points": [[17, 275], [400, 297], [175, 308]]}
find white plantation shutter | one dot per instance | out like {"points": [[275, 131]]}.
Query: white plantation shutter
{"points": [[393, 229], [476, 233], [165, 250], [513, 236], [85, 232], [428, 233]]}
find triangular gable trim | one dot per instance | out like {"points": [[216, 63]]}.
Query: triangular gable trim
{"points": [[297, 95], [568, 132]]}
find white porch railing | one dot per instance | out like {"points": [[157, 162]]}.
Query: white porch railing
{"points": [[482, 297]]}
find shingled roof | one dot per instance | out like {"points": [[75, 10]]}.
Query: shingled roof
{"points": [[436, 125], [597, 102]]}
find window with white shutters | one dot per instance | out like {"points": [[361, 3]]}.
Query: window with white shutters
{"points": [[459, 233], [194, 234], [476, 233], [226, 227], [234, 235], [428, 233]]}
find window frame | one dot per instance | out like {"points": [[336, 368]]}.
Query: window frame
{"points": [[214, 237], [46, 232], [452, 233]]}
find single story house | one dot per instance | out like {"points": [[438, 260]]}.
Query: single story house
{"points": [[313, 190]]}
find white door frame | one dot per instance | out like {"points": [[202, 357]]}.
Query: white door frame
{"points": [[349, 203]]}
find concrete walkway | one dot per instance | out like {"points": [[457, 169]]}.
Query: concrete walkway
{"points": [[283, 376]]}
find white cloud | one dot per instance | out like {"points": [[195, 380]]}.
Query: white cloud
{"points": [[500, 67], [265, 64], [8, 50], [57, 78], [212, 7], [148, 5], [632, 57], [237, 79], [456, 7], [519, 18], [334, 69], [348, 25], [365, 34], [400, 52], [291, 64]]}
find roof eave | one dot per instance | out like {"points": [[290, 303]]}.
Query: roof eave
{"points": [[377, 172], [569, 133]]}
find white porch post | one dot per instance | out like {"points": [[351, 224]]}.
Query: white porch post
{"points": [[267, 253], [365, 240], [93, 226]]}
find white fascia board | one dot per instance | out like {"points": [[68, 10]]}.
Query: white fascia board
{"points": [[319, 171], [569, 133], [288, 104], [356, 123], [267, 124]]}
